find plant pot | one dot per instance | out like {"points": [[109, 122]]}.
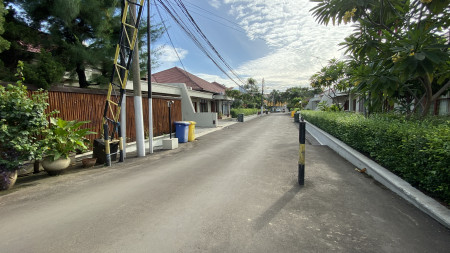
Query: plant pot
{"points": [[7, 179], [55, 167], [89, 162]]}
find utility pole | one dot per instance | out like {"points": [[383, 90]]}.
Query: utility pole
{"points": [[262, 97], [138, 114], [149, 83]]}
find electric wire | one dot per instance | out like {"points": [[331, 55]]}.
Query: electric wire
{"points": [[184, 9], [171, 42], [241, 31], [213, 14], [193, 31]]}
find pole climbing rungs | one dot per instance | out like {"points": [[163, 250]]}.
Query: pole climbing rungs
{"points": [[129, 25], [112, 102], [119, 75]]}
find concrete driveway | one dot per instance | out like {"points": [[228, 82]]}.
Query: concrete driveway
{"points": [[233, 190]]}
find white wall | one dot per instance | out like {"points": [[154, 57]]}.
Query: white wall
{"points": [[203, 119]]}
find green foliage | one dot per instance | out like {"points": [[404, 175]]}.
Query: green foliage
{"points": [[399, 50], [64, 137], [416, 150], [81, 34], [22, 119], [295, 102], [45, 72], [294, 95], [245, 111], [233, 93], [4, 44]]}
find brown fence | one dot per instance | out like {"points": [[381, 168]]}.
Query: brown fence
{"points": [[84, 104]]}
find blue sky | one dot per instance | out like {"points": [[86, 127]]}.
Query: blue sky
{"points": [[277, 40]]}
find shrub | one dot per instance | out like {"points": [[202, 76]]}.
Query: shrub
{"points": [[22, 119], [45, 72], [245, 111], [416, 150]]}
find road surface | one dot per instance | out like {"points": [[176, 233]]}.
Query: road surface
{"points": [[234, 190]]}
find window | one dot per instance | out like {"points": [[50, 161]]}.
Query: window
{"points": [[203, 105]]}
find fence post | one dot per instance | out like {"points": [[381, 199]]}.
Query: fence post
{"points": [[301, 153], [107, 150], [169, 104]]}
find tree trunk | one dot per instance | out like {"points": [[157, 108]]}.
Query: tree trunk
{"points": [[428, 96], [82, 76]]}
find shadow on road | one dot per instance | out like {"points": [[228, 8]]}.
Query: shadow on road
{"points": [[274, 209]]}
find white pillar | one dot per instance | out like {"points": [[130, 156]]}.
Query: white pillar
{"points": [[138, 114], [123, 124], [139, 119]]}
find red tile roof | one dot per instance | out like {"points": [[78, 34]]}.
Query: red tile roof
{"points": [[177, 75]]}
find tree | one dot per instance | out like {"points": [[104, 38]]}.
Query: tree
{"points": [[4, 44], [251, 97], [332, 78], [294, 95], [81, 33], [275, 97], [399, 47]]}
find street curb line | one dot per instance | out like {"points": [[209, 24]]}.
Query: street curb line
{"points": [[384, 176]]}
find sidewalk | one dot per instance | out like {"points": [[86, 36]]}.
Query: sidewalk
{"points": [[199, 132]]}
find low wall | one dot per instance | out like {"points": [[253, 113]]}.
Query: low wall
{"points": [[203, 119]]}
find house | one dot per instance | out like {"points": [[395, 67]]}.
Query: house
{"points": [[206, 97], [330, 97], [355, 103]]}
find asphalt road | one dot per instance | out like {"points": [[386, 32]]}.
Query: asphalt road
{"points": [[233, 190]]}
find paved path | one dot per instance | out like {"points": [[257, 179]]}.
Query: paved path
{"points": [[233, 190]]}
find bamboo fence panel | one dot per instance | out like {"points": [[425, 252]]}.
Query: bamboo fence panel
{"points": [[89, 107]]}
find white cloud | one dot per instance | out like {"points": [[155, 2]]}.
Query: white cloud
{"points": [[215, 78], [299, 46], [215, 3], [169, 56]]}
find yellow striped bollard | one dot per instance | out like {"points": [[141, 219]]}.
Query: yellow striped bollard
{"points": [[301, 153]]}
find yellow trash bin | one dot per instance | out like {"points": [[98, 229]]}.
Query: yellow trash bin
{"points": [[191, 135], [292, 114]]}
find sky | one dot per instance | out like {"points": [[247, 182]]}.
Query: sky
{"points": [[278, 40]]}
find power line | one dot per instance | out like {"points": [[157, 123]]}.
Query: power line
{"points": [[168, 35], [241, 31], [214, 14], [171, 42], [173, 11], [181, 5]]}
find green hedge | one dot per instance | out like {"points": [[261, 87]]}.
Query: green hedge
{"points": [[416, 150], [245, 111]]}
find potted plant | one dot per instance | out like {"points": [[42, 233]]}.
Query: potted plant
{"points": [[60, 139], [22, 119]]}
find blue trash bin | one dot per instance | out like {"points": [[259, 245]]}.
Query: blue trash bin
{"points": [[182, 131]]}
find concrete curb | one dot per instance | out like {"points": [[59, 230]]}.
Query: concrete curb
{"points": [[384, 176], [157, 141]]}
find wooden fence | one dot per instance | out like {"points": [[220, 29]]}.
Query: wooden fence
{"points": [[86, 104]]}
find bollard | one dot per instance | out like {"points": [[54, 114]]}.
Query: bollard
{"points": [[301, 154], [296, 117]]}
